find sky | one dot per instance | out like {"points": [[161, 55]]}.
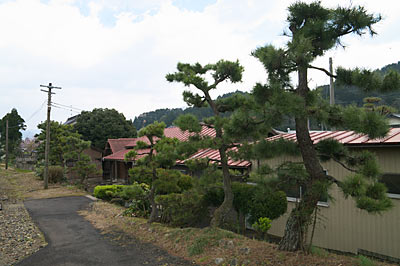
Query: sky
{"points": [[116, 53]]}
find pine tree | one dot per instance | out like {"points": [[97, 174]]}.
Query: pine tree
{"points": [[312, 31], [15, 124], [157, 151], [195, 77]]}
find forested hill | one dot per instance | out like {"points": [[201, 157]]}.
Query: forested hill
{"points": [[346, 95], [169, 115]]}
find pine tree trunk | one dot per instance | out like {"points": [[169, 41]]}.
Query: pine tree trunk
{"points": [[225, 215], [300, 217], [154, 210]]}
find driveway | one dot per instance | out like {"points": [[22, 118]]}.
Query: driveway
{"points": [[74, 241]]}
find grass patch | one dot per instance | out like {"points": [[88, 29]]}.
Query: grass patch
{"points": [[320, 252], [364, 261]]}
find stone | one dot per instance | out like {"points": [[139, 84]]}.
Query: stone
{"points": [[230, 244], [245, 251], [233, 262], [219, 261]]}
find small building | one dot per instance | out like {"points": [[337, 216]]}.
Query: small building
{"points": [[341, 225], [115, 168]]}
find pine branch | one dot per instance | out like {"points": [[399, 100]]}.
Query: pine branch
{"points": [[323, 70]]}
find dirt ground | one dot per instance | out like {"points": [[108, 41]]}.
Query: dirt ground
{"points": [[209, 246]]}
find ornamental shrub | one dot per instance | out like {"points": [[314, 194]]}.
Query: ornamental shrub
{"points": [[172, 181], [56, 174], [262, 225], [107, 192], [185, 209], [266, 203]]}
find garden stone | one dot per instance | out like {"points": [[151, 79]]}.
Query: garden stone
{"points": [[219, 261]]}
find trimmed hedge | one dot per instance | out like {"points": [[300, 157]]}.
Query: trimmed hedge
{"points": [[186, 209], [107, 192]]}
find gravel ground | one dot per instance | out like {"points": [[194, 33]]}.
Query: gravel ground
{"points": [[19, 236]]}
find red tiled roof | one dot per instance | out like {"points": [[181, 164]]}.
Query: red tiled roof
{"points": [[346, 137]]}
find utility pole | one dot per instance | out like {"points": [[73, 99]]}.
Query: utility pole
{"points": [[47, 148], [331, 88], [6, 144]]}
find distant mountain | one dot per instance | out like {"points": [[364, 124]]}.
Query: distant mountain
{"points": [[346, 95], [168, 116]]}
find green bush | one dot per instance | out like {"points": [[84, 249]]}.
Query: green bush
{"points": [[266, 203], [242, 196], [56, 174], [134, 192], [107, 192], [172, 181], [262, 225], [214, 195], [185, 209], [140, 174]]}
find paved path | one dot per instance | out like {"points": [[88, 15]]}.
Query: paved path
{"points": [[74, 241]]}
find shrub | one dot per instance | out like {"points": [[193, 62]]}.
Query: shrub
{"points": [[266, 203], [140, 174], [242, 196], [214, 196], [172, 181], [134, 192], [107, 192], [184, 209], [262, 225], [56, 174]]}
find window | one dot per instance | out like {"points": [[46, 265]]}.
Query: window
{"points": [[295, 192], [392, 182]]}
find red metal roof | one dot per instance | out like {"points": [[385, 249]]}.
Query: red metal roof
{"points": [[119, 144], [125, 145], [214, 155], [346, 137]]}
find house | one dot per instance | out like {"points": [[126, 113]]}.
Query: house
{"points": [[115, 168], [341, 226], [394, 120]]}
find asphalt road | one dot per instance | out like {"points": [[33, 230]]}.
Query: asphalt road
{"points": [[74, 241]]}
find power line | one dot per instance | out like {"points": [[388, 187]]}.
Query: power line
{"points": [[36, 112], [65, 108], [68, 106]]}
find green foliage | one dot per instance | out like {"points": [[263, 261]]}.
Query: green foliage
{"points": [[172, 181], [135, 191], [56, 174], [99, 125], [107, 192], [140, 174], [320, 252], [185, 209], [242, 196], [267, 204], [58, 133], [188, 122], [15, 124], [364, 261], [155, 130], [73, 147], [262, 225]]}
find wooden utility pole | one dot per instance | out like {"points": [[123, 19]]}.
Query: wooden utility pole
{"points": [[331, 88], [47, 148], [6, 144]]}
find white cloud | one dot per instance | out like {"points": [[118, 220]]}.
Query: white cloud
{"points": [[123, 66]]}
